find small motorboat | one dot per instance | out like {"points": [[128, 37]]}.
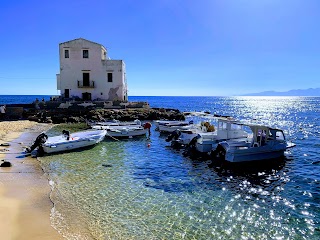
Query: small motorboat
{"points": [[124, 129], [67, 141], [205, 137], [227, 129], [265, 143], [116, 123], [171, 126]]}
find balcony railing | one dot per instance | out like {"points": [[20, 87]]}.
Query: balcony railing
{"points": [[89, 84]]}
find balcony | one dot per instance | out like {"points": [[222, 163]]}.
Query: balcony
{"points": [[86, 84]]}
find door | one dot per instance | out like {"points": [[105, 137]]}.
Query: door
{"points": [[66, 93], [86, 79], [86, 96]]}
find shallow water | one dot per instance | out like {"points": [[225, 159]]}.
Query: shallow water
{"points": [[127, 190]]}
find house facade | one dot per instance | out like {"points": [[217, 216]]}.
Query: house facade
{"points": [[87, 73]]}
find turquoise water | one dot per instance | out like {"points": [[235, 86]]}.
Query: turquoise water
{"points": [[127, 190]]}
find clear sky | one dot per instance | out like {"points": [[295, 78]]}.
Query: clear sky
{"points": [[171, 47]]}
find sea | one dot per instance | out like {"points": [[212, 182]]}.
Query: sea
{"points": [[140, 188]]}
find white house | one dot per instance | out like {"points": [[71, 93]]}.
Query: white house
{"points": [[86, 72]]}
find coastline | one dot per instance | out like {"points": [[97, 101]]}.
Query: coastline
{"points": [[24, 190]]}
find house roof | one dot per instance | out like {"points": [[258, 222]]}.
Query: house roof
{"points": [[82, 39]]}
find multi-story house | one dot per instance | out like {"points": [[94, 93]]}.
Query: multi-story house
{"points": [[86, 72]]}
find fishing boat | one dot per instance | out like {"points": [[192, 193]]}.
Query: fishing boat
{"points": [[265, 143], [206, 136], [226, 129], [67, 141]]}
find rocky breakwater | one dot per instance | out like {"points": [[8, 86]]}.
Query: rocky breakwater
{"points": [[58, 115]]}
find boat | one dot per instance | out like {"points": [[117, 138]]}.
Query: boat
{"points": [[205, 137], [67, 141], [227, 129], [116, 123], [265, 143], [171, 126], [123, 129]]}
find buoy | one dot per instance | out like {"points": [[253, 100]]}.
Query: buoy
{"points": [[148, 145]]}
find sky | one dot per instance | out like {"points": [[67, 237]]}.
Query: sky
{"points": [[170, 47]]}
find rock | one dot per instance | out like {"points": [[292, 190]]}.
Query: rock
{"points": [[5, 164], [5, 144]]}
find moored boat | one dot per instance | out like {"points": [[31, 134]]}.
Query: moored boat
{"points": [[266, 143], [171, 126], [124, 129], [67, 141]]}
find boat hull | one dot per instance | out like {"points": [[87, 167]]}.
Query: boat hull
{"points": [[249, 157], [123, 133], [246, 153], [76, 141]]}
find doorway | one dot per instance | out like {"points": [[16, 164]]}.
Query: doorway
{"points": [[86, 96], [66, 93], [86, 79]]}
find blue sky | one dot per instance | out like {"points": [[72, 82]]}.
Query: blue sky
{"points": [[171, 47]]}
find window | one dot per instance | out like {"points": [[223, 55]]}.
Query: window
{"points": [[109, 77], [66, 53], [85, 53]]}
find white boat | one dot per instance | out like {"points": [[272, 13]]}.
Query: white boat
{"points": [[131, 129], [126, 131], [116, 123], [227, 129], [264, 144], [73, 141], [171, 126], [206, 136]]}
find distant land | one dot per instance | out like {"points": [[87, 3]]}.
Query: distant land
{"points": [[311, 92]]}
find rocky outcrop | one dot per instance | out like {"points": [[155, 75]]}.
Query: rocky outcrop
{"points": [[59, 115]]}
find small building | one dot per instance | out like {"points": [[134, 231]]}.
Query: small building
{"points": [[87, 73]]}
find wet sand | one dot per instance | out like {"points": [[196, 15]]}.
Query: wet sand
{"points": [[24, 189]]}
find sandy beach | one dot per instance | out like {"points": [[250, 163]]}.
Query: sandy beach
{"points": [[24, 190]]}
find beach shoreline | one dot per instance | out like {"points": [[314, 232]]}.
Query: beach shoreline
{"points": [[25, 203]]}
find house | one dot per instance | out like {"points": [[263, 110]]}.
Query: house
{"points": [[86, 72]]}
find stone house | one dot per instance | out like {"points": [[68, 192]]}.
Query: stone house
{"points": [[87, 73]]}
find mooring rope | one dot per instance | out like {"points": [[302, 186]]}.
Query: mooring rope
{"points": [[112, 137]]}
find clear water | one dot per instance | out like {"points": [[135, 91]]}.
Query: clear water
{"points": [[127, 190]]}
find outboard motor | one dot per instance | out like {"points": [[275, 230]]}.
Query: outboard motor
{"points": [[191, 146], [41, 139], [173, 136]]}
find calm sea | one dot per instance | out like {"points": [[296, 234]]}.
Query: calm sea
{"points": [[157, 193]]}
